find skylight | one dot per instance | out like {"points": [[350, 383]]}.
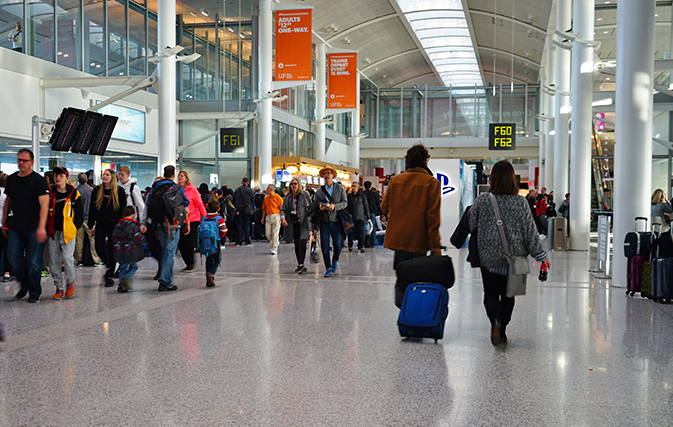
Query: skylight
{"points": [[442, 29]]}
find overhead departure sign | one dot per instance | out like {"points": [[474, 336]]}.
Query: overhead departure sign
{"points": [[502, 136], [293, 45], [231, 140], [342, 80]]}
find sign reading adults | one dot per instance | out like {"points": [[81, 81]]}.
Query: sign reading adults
{"points": [[231, 140], [502, 136], [293, 45], [342, 80]]}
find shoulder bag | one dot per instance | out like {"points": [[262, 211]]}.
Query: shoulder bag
{"points": [[517, 273]]}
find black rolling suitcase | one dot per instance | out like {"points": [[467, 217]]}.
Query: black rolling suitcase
{"points": [[661, 285], [638, 242]]}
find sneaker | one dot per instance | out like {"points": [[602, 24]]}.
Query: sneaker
{"points": [[163, 288], [70, 290], [274, 252], [109, 282], [328, 273], [334, 266], [59, 294], [22, 293], [300, 269], [33, 300], [7, 279], [45, 273], [361, 250], [157, 276], [80, 264], [350, 249], [188, 269], [210, 280], [98, 264]]}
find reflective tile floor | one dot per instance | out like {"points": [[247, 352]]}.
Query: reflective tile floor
{"points": [[266, 347]]}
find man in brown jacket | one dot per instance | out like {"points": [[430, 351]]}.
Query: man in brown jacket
{"points": [[412, 204]]}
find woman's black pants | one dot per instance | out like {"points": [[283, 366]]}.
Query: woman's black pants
{"points": [[498, 306]]}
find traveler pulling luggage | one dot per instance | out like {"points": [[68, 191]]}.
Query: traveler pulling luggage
{"points": [[661, 285], [423, 282]]}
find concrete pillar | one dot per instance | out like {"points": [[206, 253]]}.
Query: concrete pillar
{"points": [[265, 88], [580, 140], [633, 123], [320, 94], [167, 82], [550, 78], [355, 142], [562, 102]]}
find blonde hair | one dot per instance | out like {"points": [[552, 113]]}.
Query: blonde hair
{"points": [[658, 196], [299, 187], [114, 193], [186, 177]]}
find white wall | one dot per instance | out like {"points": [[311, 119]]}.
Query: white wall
{"points": [[451, 199], [21, 95]]}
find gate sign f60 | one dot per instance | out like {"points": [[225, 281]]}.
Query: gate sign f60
{"points": [[502, 136]]}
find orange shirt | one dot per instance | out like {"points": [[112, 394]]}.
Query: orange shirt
{"points": [[272, 204]]}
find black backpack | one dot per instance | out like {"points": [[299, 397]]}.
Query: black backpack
{"points": [[166, 203]]}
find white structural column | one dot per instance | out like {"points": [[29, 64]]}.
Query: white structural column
{"points": [[580, 140], [320, 91], [550, 77], [543, 135], [355, 142], [562, 103], [265, 89], [633, 123], [166, 76]]}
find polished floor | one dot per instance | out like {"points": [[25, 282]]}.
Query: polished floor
{"points": [[266, 347]]}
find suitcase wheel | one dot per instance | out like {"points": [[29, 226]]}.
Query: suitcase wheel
{"points": [[627, 293]]}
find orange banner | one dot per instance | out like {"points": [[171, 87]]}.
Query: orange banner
{"points": [[293, 45], [341, 81]]}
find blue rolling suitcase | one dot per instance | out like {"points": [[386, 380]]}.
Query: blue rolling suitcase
{"points": [[424, 311], [662, 280]]}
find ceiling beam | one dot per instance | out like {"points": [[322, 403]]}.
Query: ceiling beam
{"points": [[490, 73], [473, 35], [389, 58], [413, 78], [523, 58], [362, 25], [510, 19]]}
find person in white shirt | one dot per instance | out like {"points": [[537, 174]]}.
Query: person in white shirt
{"points": [[134, 197], [16, 38]]}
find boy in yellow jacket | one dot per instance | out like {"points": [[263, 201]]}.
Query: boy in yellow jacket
{"points": [[66, 215]]}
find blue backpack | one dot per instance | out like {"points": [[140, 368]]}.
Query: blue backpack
{"points": [[209, 235]]}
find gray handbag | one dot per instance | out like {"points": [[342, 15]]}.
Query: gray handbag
{"points": [[518, 267]]}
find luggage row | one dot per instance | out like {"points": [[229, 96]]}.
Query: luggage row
{"points": [[650, 262]]}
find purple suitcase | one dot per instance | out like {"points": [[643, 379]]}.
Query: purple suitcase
{"points": [[635, 272]]}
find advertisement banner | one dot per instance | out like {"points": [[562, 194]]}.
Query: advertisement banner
{"points": [[293, 45], [342, 80]]}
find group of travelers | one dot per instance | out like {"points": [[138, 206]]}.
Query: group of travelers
{"points": [[121, 220]]}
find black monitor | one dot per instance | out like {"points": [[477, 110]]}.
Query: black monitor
{"points": [[66, 129], [87, 132], [103, 135]]}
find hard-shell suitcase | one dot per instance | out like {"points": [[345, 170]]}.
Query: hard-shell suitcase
{"points": [[638, 242], [662, 279], [635, 273], [424, 311]]}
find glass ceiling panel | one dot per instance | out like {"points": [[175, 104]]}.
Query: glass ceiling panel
{"points": [[442, 29]]}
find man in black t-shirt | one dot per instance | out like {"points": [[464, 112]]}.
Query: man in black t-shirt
{"points": [[28, 198]]}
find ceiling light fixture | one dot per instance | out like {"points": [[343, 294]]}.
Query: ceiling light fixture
{"points": [[204, 12]]}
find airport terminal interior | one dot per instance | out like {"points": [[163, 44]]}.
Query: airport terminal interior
{"points": [[575, 94]]}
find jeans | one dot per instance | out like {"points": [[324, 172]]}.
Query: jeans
{"points": [[187, 243], [334, 230], [372, 217], [59, 252], [127, 270], [213, 261], [358, 234], [168, 238], [272, 223], [27, 258], [299, 244], [498, 306], [241, 219]]}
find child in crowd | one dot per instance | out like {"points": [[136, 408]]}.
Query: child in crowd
{"points": [[66, 215], [128, 243], [213, 260]]}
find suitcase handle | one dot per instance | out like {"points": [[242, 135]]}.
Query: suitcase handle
{"points": [[640, 218]]}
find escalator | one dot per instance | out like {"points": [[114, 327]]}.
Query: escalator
{"points": [[602, 167]]}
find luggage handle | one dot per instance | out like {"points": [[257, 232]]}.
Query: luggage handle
{"points": [[658, 236], [641, 218]]}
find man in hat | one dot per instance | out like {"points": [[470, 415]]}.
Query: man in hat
{"points": [[329, 199]]}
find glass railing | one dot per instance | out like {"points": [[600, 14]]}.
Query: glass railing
{"points": [[448, 112]]}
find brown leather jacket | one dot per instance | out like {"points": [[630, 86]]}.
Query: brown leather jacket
{"points": [[412, 203]]}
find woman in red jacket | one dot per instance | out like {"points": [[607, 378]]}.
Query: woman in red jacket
{"points": [[541, 213], [187, 242]]}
